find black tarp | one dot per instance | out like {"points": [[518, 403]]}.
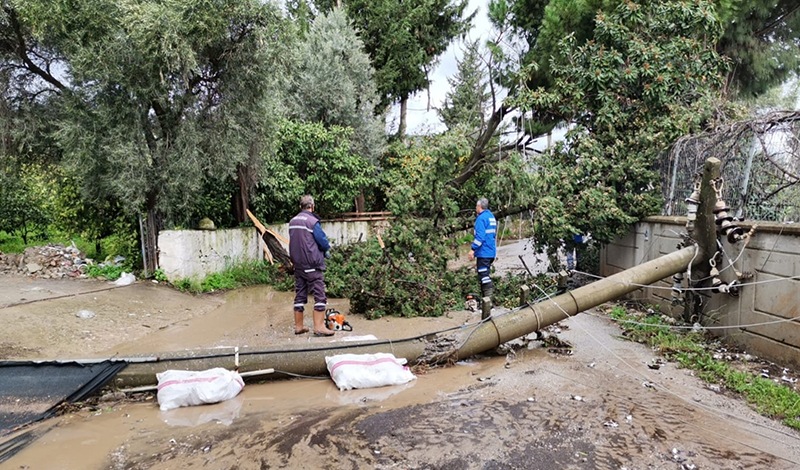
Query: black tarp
{"points": [[31, 391]]}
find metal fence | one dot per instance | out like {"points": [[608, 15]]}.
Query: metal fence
{"points": [[760, 168]]}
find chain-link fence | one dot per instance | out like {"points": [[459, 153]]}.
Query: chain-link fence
{"points": [[760, 168]]}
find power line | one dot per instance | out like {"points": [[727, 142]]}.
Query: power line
{"points": [[743, 284]]}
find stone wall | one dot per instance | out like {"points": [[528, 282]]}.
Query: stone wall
{"points": [[194, 254], [772, 256]]}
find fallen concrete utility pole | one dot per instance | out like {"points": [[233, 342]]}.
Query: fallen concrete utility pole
{"points": [[504, 328], [431, 349]]}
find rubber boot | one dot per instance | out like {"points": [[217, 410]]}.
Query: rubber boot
{"points": [[299, 328], [319, 324], [486, 291]]}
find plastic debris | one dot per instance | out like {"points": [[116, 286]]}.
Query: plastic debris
{"points": [[125, 279], [85, 314]]}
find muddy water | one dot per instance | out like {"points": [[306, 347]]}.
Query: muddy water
{"points": [[515, 411], [260, 317], [244, 316], [138, 435]]}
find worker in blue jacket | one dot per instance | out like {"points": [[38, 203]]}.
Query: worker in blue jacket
{"points": [[483, 246]]}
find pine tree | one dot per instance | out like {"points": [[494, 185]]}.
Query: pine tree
{"points": [[467, 101]]}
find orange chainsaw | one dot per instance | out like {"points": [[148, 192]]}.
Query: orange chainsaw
{"points": [[334, 321]]}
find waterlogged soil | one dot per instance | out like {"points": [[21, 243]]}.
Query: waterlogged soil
{"points": [[599, 407]]}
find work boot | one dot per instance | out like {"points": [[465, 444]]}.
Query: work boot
{"points": [[319, 324]]}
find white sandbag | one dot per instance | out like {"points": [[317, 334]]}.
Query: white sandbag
{"points": [[178, 388], [367, 370]]}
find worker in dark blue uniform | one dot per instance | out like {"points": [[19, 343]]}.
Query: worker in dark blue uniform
{"points": [[483, 246], [308, 248]]}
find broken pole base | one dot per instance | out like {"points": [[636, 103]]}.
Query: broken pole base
{"points": [[524, 295]]}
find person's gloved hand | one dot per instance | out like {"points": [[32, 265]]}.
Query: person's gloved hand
{"points": [[328, 254]]}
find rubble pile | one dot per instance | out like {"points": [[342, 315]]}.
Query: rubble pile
{"points": [[46, 262]]}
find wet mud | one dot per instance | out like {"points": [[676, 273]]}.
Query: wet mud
{"points": [[599, 407]]}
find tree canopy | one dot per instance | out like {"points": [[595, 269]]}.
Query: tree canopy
{"points": [[334, 84], [151, 95], [649, 74], [183, 110], [467, 102], [761, 37]]}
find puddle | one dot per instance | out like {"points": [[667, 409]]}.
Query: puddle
{"points": [[114, 436], [245, 315], [260, 317]]}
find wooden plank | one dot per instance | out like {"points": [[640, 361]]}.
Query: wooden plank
{"points": [[255, 221], [261, 230]]}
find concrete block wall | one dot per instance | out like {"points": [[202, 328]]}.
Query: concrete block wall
{"points": [[195, 254], [772, 257]]}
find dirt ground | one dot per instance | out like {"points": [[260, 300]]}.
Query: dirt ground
{"points": [[600, 407]]}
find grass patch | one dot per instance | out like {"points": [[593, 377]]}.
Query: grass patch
{"points": [[239, 275], [112, 273], [691, 350]]}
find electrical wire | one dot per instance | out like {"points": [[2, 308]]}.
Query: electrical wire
{"points": [[326, 348], [292, 374], [743, 284]]}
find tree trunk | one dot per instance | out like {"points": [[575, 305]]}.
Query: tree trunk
{"points": [[153, 225], [477, 157], [401, 129], [241, 198], [360, 202]]}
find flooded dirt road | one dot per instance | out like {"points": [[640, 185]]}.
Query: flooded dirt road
{"points": [[600, 407]]}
